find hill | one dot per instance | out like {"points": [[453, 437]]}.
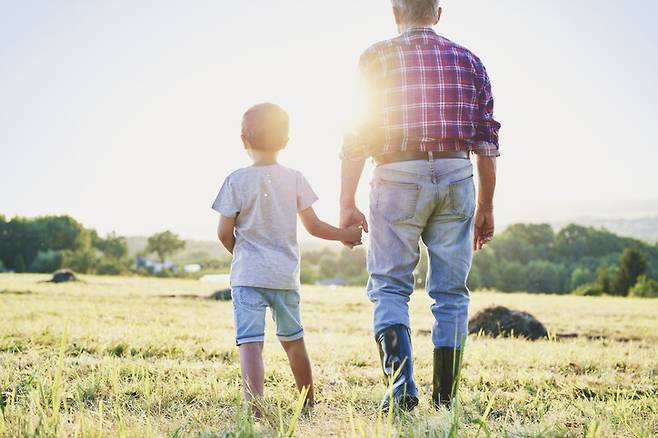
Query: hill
{"points": [[643, 228]]}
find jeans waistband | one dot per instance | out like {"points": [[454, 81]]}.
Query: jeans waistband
{"points": [[423, 169]]}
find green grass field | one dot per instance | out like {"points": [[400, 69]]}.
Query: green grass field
{"points": [[147, 357]]}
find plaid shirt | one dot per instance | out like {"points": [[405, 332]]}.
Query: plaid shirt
{"points": [[422, 93]]}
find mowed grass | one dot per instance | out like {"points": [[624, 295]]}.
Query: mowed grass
{"points": [[140, 357]]}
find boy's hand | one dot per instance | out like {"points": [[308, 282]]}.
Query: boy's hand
{"points": [[353, 234], [349, 216]]}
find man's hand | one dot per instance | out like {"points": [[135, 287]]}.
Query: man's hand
{"points": [[484, 228], [350, 216]]}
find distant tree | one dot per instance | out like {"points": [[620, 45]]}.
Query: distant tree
{"points": [[28, 236], [474, 279], [645, 287], [575, 242], [352, 263], [525, 242], [308, 273], [84, 261], [47, 261], [512, 277], [113, 246], [581, 275], [632, 264], [19, 264], [329, 266], [605, 279], [543, 276], [164, 244], [489, 269]]}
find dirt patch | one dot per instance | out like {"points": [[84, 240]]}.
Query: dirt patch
{"points": [[221, 295], [16, 292], [501, 321], [62, 276]]}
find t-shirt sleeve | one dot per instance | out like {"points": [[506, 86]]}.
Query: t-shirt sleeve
{"points": [[227, 203], [305, 194]]}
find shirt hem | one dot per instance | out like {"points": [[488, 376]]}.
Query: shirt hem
{"points": [[277, 287]]}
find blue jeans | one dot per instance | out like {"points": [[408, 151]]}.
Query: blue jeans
{"points": [[249, 304], [433, 201]]}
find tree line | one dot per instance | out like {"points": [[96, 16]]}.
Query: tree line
{"points": [[524, 257], [47, 243], [531, 258], [583, 260]]}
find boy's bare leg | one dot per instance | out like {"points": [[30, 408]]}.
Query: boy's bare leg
{"points": [[300, 364], [253, 374]]}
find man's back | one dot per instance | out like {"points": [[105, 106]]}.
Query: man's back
{"points": [[426, 93]]}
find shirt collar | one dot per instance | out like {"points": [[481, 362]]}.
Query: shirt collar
{"points": [[419, 29]]}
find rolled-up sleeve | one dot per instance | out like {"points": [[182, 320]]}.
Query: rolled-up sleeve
{"points": [[486, 139]]}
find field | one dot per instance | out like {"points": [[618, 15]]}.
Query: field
{"points": [[116, 356]]}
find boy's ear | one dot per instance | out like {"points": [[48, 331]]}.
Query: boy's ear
{"points": [[245, 142], [285, 143]]}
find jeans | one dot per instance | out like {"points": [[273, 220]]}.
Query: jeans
{"points": [[434, 201], [249, 304]]}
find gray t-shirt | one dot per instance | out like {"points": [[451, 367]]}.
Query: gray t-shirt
{"points": [[265, 201]]}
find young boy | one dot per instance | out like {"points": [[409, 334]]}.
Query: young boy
{"points": [[258, 225]]}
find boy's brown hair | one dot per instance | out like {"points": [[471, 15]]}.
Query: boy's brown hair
{"points": [[265, 126]]}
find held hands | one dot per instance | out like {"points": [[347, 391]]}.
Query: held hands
{"points": [[354, 223], [484, 228], [353, 234]]}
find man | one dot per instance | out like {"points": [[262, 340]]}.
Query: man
{"points": [[429, 106]]}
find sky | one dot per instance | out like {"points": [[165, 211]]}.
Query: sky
{"points": [[126, 114]]}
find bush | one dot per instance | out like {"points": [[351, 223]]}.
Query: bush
{"points": [[542, 276], [47, 261], [84, 261], [580, 276], [2, 267], [112, 267], [308, 274], [645, 287], [513, 277], [592, 289]]}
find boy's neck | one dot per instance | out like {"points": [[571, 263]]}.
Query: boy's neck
{"points": [[263, 158]]}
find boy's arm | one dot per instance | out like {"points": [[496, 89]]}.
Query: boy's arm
{"points": [[323, 230], [225, 232]]}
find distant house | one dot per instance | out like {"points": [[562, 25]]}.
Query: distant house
{"points": [[192, 268], [154, 267]]}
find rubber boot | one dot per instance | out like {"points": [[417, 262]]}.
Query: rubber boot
{"points": [[447, 362], [394, 345]]}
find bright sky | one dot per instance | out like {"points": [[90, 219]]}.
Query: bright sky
{"points": [[126, 114]]}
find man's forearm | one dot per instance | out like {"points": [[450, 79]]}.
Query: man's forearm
{"points": [[486, 181], [351, 170]]}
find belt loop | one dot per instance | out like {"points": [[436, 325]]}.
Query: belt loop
{"points": [[430, 158]]}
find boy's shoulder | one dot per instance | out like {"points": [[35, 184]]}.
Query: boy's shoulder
{"points": [[250, 171]]}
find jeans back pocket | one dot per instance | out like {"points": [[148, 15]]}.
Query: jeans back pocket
{"points": [[395, 201], [462, 197]]}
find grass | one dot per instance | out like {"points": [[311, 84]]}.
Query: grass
{"points": [[148, 357]]}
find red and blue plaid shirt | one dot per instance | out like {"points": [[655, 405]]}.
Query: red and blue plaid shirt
{"points": [[423, 93]]}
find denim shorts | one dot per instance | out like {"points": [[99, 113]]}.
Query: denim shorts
{"points": [[249, 304]]}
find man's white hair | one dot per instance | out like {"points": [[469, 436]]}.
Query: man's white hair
{"points": [[417, 11]]}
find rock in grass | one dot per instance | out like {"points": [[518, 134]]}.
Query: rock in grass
{"points": [[221, 295], [501, 321], [63, 276]]}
